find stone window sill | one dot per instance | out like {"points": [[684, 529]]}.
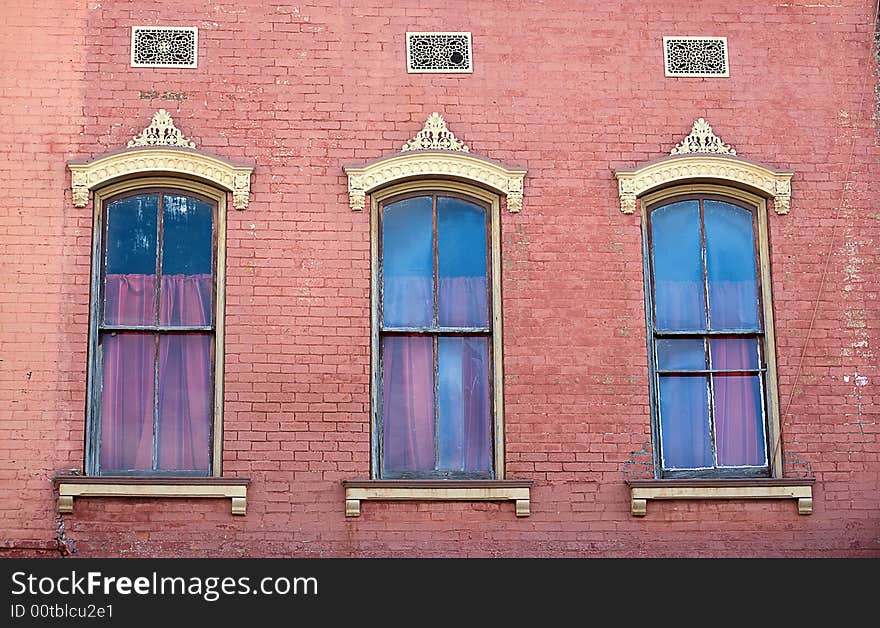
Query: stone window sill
{"points": [[800, 489], [356, 491], [70, 487]]}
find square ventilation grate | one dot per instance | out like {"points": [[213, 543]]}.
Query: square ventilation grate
{"points": [[696, 56], [164, 47], [439, 52]]}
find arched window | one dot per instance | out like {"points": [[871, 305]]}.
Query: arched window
{"points": [[435, 305], [709, 335], [436, 422], [153, 351]]}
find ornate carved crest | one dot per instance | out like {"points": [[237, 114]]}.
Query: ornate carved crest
{"points": [[702, 140], [161, 132], [435, 136]]}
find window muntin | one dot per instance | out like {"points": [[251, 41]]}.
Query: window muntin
{"points": [[435, 337], [707, 337], [154, 379]]}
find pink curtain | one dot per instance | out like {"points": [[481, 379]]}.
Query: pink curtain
{"points": [[738, 420], [408, 403], [408, 440], [463, 302], [185, 394]]}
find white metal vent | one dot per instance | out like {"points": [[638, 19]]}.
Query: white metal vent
{"points": [[439, 52], [164, 46], [696, 56]]}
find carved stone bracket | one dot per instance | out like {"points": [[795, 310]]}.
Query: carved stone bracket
{"points": [[435, 152], [704, 167], [161, 149], [364, 179]]}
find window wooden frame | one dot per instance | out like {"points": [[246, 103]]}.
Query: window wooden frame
{"points": [[757, 206], [102, 197], [492, 203]]}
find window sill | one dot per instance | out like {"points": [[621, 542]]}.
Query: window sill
{"points": [[800, 489], [356, 491], [70, 487]]}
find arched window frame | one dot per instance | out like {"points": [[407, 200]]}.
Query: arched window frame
{"points": [[158, 157], [702, 159], [758, 207], [435, 160]]}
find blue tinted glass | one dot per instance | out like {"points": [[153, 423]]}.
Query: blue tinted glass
{"points": [[730, 354], [132, 227], [461, 244], [739, 421], [730, 266], [678, 267], [674, 354], [407, 263], [465, 433], [684, 422], [187, 240]]}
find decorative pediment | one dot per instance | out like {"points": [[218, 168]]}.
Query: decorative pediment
{"points": [[702, 140], [160, 149], [435, 153], [161, 132], [435, 136], [699, 157]]}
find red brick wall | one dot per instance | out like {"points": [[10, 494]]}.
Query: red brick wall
{"points": [[568, 92]]}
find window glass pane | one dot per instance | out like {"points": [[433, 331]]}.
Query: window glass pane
{"points": [[730, 354], [185, 402], [730, 266], [739, 420], [683, 355], [407, 404], [407, 263], [684, 422], [187, 254], [461, 244], [130, 262], [127, 402], [463, 396], [678, 267]]}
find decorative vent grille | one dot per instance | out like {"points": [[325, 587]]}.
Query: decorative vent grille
{"points": [[164, 47], [439, 52], [696, 56]]}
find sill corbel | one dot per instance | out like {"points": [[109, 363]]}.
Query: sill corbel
{"points": [[517, 491], [801, 489], [70, 487]]}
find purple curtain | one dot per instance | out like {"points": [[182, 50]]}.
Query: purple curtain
{"points": [[184, 367], [408, 382], [408, 403], [463, 302], [738, 419]]}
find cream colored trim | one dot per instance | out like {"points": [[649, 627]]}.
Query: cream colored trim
{"points": [[354, 496], [702, 140], [151, 161], [763, 245], [435, 136], [160, 132], [641, 495], [363, 180], [213, 193], [692, 168], [236, 492], [497, 338]]}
